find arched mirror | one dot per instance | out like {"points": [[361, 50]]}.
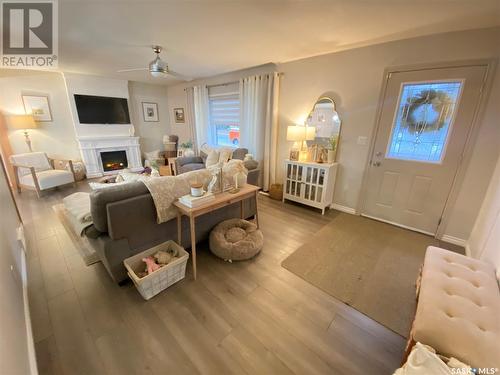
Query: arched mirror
{"points": [[326, 120]]}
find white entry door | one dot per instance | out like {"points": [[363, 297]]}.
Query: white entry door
{"points": [[424, 122]]}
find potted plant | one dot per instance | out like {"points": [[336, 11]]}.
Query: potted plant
{"points": [[187, 148], [333, 149]]}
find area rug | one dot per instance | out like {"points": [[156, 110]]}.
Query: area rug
{"points": [[82, 244], [369, 265]]}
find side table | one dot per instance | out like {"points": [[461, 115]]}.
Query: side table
{"points": [[220, 200], [171, 164]]}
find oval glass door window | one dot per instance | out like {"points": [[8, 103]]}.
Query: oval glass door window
{"points": [[423, 121]]}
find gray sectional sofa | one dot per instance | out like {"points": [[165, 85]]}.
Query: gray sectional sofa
{"points": [[125, 223]]}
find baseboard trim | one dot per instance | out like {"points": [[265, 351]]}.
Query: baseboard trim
{"points": [[27, 316], [346, 209], [454, 240], [467, 250]]}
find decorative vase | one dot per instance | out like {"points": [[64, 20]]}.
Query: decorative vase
{"points": [[215, 185], [240, 180], [188, 152], [331, 156]]}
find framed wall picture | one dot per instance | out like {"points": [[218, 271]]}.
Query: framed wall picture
{"points": [[179, 115], [150, 112], [38, 106]]}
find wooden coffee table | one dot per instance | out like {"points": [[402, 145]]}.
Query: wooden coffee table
{"points": [[221, 200]]}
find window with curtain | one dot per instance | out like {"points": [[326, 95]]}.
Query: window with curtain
{"points": [[225, 119]]}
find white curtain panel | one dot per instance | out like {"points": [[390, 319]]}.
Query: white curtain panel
{"points": [[259, 122], [201, 115], [191, 118]]}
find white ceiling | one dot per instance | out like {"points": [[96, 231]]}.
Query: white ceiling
{"points": [[205, 38]]}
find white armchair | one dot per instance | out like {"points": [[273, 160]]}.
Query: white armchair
{"points": [[35, 171]]}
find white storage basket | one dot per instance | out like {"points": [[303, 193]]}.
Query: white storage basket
{"points": [[161, 279]]}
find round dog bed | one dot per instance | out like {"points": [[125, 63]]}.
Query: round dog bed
{"points": [[236, 239]]}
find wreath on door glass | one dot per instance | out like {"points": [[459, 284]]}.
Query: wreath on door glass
{"points": [[441, 103]]}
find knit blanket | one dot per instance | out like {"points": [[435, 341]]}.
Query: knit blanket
{"points": [[78, 204], [167, 189]]}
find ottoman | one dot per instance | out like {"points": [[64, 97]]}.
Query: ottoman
{"points": [[236, 239], [458, 311]]}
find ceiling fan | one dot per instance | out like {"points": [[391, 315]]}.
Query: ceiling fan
{"points": [[158, 68]]}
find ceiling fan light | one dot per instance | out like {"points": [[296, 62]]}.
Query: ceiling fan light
{"points": [[158, 66], [157, 73]]}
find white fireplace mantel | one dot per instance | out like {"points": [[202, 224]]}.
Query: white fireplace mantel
{"points": [[92, 146]]}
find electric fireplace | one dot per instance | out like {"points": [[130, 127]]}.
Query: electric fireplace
{"points": [[114, 160]]}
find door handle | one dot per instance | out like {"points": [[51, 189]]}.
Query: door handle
{"points": [[377, 164]]}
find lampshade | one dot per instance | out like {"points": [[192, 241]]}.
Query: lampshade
{"points": [[295, 133], [310, 133], [300, 133], [22, 122]]}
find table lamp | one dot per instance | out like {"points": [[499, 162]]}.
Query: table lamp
{"points": [[23, 122], [299, 135]]}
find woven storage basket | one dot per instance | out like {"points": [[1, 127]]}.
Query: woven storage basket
{"points": [[152, 284], [276, 192]]}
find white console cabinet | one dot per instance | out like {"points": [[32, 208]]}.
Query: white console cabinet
{"points": [[310, 183]]}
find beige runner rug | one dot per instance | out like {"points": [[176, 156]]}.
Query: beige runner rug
{"points": [[369, 265]]}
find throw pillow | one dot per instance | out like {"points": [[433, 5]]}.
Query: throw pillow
{"points": [[225, 155], [212, 158], [100, 185], [251, 164], [129, 176]]}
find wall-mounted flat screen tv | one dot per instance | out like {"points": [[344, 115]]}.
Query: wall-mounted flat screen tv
{"points": [[101, 110]]}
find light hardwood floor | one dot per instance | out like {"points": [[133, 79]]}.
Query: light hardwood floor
{"points": [[251, 317]]}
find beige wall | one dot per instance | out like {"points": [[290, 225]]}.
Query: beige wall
{"points": [[151, 133], [57, 137], [98, 86], [484, 242], [16, 343], [353, 78]]}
